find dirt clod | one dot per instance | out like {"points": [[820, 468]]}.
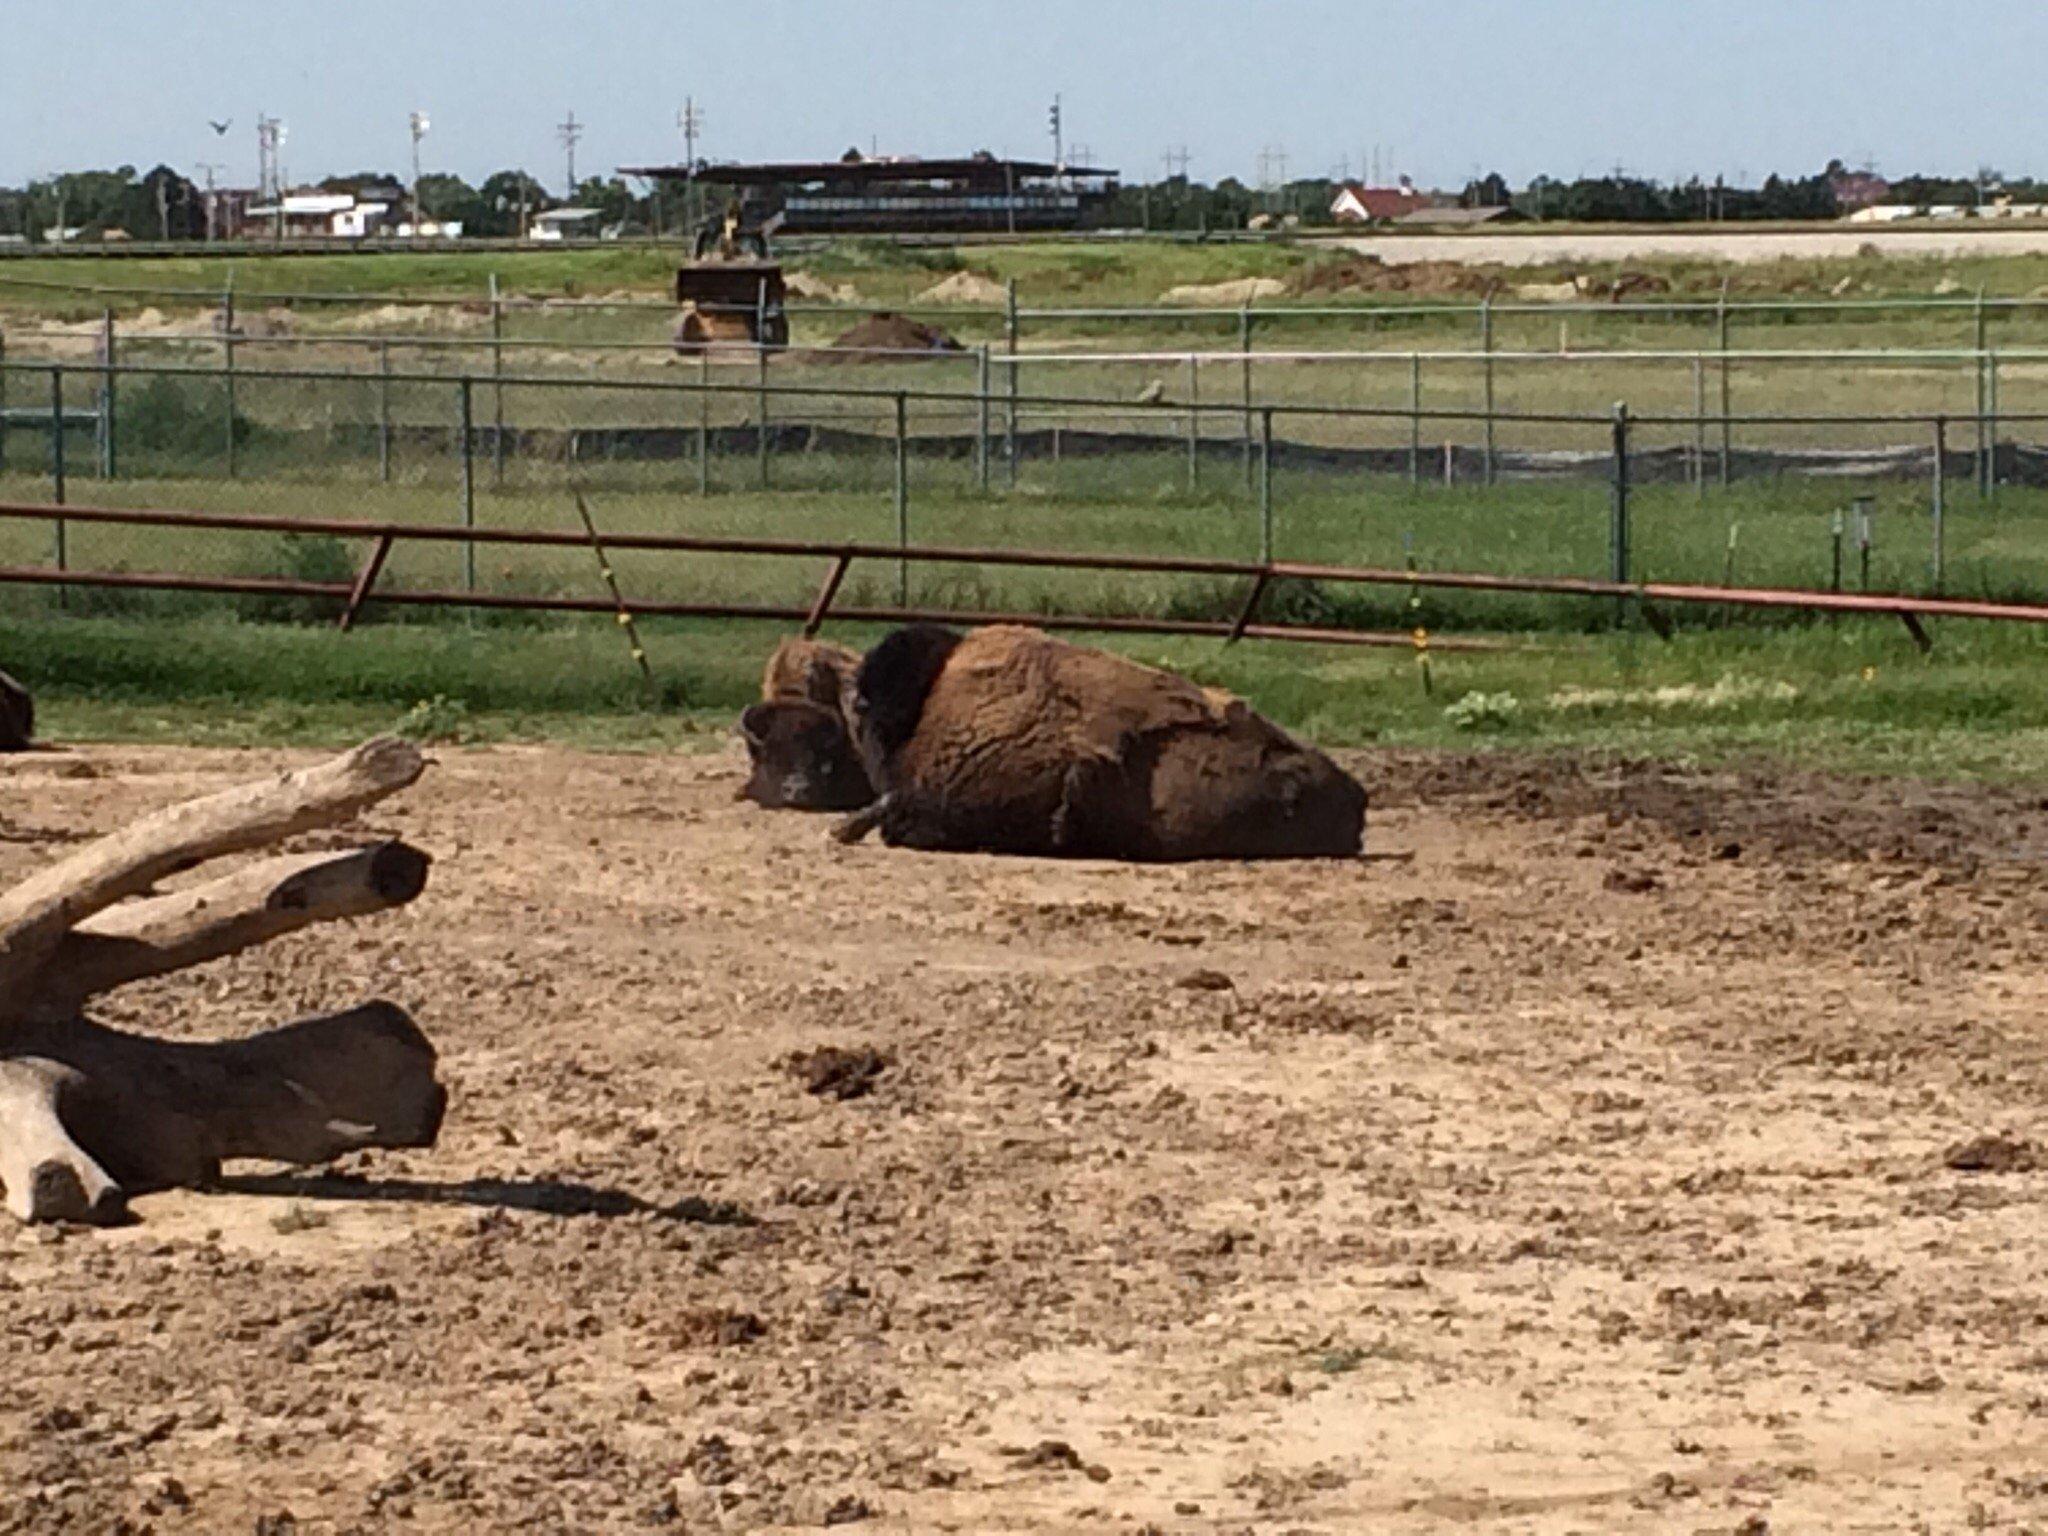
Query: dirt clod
{"points": [[830, 1072], [1993, 1153]]}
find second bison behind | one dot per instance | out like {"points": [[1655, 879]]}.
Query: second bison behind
{"points": [[1006, 740]]}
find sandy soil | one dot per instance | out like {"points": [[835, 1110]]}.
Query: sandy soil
{"points": [[1595, 1169], [1539, 249]]}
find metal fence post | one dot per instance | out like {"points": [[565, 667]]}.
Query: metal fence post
{"points": [[1699, 431], [761, 415], [1244, 347], [109, 464], [468, 482], [1618, 525], [1991, 404], [902, 497], [1194, 423], [3, 402], [57, 449], [384, 410], [1010, 338], [227, 349], [1415, 418], [497, 385], [704, 422], [1721, 342], [1266, 486], [1486, 349], [1940, 501], [984, 381]]}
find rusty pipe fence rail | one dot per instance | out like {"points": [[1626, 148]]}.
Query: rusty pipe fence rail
{"points": [[1259, 576]]}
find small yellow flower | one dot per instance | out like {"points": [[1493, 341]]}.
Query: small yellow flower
{"points": [[1870, 674]]}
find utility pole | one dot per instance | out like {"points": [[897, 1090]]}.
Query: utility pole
{"points": [[1176, 161], [691, 121], [1059, 154], [569, 130], [419, 131], [269, 171], [209, 167]]}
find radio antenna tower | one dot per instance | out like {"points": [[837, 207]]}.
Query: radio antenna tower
{"points": [[570, 131]]}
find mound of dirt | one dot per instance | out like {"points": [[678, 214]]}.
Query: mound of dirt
{"points": [[965, 288], [1242, 290], [1368, 274], [888, 337], [808, 285]]}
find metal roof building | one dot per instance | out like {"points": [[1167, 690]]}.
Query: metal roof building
{"points": [[864, 195]]}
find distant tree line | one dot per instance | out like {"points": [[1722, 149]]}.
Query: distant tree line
{"points": [[166, 205]]}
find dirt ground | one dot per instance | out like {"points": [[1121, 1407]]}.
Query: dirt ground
{"points": [[1606, 1166]]}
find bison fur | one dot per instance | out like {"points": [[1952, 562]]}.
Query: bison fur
{"points": [[1006, 740], [17, 716]]}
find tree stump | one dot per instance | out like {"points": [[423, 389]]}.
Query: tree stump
{"points": [[17, 716], [90, 1115]]}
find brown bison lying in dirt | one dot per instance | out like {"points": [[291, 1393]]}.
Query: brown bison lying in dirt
{"points": [[17, 716], [796, 737], [1006, 740]]}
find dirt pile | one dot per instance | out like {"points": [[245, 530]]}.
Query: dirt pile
{"points": [[1368, 274], [1242, 290], [965, 288], [889, 337]]}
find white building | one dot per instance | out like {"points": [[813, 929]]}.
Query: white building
{"points": [[562, 224]]}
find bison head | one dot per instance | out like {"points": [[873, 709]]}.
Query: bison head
{"points": [[802, 759]]}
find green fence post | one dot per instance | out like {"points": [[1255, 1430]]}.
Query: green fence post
{"points": [[497, 385], [1721, 342], [1011, 336], [3, 402], [1266, 486], [108, 461], [384, 410], [1699, 426], [1940, 502], [704, 422], [1244, 348], [1194, 423], [57, 448], [902, 497], [1991, 405], [464, 426], [1618, 524], [761, 414], [1486, 351], [227, 349], [1415, 418], [984, 379]]}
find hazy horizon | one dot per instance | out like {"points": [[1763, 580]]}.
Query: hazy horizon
{"points": [[1441, 91]]}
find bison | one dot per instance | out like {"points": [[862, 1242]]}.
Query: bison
{"points": [[17, 716], [796, 736], [1005, 740]]}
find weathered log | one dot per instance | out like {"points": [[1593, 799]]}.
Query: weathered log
{"points": [[17, 716], [252, 906], [89, 1115], [36, 914]]}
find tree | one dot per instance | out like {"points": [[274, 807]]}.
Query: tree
{"points": [[502, 195]]}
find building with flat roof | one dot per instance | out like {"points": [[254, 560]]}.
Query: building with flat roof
{"points": [[860, 194]]}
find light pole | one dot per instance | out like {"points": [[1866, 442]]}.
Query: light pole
{"points": [[419, 131], [691, 122]]}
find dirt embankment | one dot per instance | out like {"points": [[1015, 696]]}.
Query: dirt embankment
{"points": [[1645, 1150]]}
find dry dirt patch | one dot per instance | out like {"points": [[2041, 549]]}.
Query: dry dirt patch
{"points": [[1482, 1189]]}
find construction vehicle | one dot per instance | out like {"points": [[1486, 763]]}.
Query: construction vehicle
{"points": [[732, 291]]}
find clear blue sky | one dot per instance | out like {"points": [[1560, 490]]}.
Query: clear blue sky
{"points": [[1663, 87]]}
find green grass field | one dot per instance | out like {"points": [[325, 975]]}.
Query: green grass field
{"points": [[1855, 696]]}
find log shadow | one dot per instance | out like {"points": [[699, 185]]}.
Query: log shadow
{"points": [[551, 1197]]}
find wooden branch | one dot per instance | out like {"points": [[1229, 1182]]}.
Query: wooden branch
{"points": [[89, 1114], [35, 916], [47, 1175], [154, 937]]}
